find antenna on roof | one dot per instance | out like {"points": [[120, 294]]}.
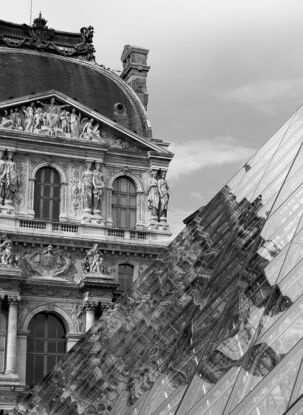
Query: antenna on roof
{"points": [[31, 13]]}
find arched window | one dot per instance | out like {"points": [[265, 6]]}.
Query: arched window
{"points": [[124, 203], [46, 344], [47, 194], [125, 276]]}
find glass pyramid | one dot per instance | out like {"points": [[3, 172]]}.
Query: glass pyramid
{"points": [[216, 324]]}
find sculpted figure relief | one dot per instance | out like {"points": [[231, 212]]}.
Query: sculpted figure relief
{"points": [[50, 118], [49, 262], [2, 177], [7, 256], [98, 186], [164, 194], [153, 198], [93, 261], [92, 186], [11, 179], [158, 195], [87, 187], [8, 178]]}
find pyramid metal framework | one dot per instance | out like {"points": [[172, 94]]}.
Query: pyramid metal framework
{"points": [[216, 325]]}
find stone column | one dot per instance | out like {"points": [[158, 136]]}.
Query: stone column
{"points": [[89, 315], [11, 337], [63, 205], [139, 224], [30, 200], [109, 220]]}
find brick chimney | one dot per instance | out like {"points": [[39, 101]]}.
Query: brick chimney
{"points": [[135, 70]]}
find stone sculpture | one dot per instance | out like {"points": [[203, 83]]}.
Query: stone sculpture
{"points": [[2, 177], [87, 187], [8, 179], [11, 183], [98, 186], [49, 262], [164, 194], [40, 37], [90, 131], [92, 186], [158, 195], [93, 262], [7, 256], [153, 198], [48, 118]]}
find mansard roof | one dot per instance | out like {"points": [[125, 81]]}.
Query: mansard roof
{"points": [[29, 71]]}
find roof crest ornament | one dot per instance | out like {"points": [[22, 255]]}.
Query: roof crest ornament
{"points": [[40, 36]]}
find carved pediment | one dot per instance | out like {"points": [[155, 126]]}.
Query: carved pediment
{"points": [[53, 114]]}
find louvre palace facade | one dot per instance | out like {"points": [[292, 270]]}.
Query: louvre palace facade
{"points": [[83, 194]]}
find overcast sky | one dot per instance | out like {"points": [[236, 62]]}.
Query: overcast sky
{"points": [[225, 75]]}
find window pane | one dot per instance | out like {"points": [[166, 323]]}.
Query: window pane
{"points": [[51, 362], [124, 203], [44, 351], [132, 218], [123, 200], [39, 325], [132, 201], [47, 194], [38, 368], [124, 185], [61, 347], [52, 347], [123, 218], [125, 276], [39, 346]]}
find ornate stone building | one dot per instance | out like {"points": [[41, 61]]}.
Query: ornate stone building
{"points": [[83, 193]]}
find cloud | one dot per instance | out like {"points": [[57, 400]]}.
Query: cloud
{"points": [[175, 219], [192, 155], [264, 95], [196, 195]]}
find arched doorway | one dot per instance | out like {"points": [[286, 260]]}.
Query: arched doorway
{"points": [[46, 344]]}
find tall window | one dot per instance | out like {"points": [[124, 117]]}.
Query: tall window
{"points": [[46, 344], [47, 194], [124, 203], [125, 276]]}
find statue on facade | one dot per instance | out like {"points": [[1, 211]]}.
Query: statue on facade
{"points": [[11, 182], [93, 261], [164, 194], [86, 47], [153, 197], [52, 111], [29, 114], [2, 177], [7, 256], [74, 124], [98, 186], [90, 131], [87, 187]]}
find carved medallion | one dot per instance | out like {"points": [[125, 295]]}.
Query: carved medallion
{"points": [[50, 262]]}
